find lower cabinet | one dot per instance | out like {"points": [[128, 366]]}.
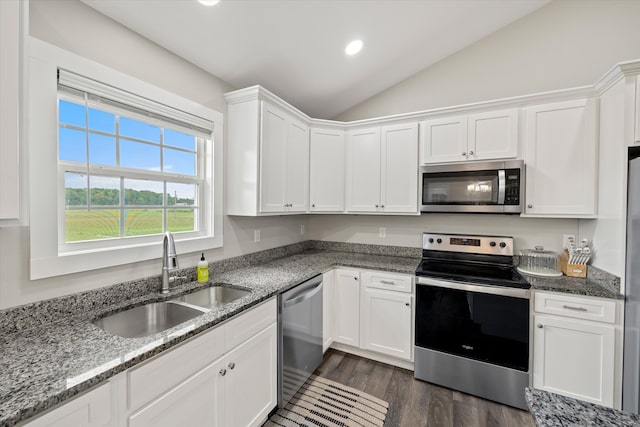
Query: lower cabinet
{"points": [[328, 310], [374, 312], [574, 347]]}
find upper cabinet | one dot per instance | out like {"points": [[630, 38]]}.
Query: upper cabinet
{"points": [[11, 30], [561, 146], [481, 136], [637, 105], [382, 169], [268, 157], [326, 170]]}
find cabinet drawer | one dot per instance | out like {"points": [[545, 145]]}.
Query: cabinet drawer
{"points": [[250, 323], [160, 374], [599, 310], [390, 281]]}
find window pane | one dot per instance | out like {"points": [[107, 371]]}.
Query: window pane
{"points": [[181, 220], [179, 162], [71, 113], [179, 139], [91, 225], [181, 194], [139, 222], [102, 121], [139, 156], [102, 149], [72, 145], [105, 191], [139, 130], [75, 189], [138, 192]]}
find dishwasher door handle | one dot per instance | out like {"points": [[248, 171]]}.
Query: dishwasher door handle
{"points": [[303, 297]]}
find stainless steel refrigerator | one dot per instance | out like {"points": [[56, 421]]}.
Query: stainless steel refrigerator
{"points": [[631, 364]]}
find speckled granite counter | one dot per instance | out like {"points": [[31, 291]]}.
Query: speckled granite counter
{"points": [[598, 283], [553, 410], [50, 350]]}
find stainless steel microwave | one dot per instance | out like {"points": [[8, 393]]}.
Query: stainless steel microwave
{"points": [[483, 187]]}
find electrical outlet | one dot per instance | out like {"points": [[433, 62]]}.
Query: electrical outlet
{"points": [[256, 236], [565, 240], [383, 232], [302, 230]]}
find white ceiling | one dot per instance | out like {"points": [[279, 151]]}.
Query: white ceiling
{"points": [[295, 48]]}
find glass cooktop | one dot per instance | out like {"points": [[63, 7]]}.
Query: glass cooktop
{"points": [[472, 272]]}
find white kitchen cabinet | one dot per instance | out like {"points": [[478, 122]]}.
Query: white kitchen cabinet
{"points": [[386, 313], [637, 104], [347, 307], [326, 170], [92, 409], [573, 356], [561, 149], [284, 162], [11, 38], [328, 310], [481, 136], [382, 170]]}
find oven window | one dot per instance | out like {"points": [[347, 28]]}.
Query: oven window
{"points": [[485, 327], [460, 188]]}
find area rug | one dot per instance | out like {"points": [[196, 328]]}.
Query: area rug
{"points": [[324, 403]]}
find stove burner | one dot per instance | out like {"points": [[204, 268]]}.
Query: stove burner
{"points": [[470, 272]]}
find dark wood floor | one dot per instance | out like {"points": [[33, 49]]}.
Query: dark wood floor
{"points": [[414, 403]]}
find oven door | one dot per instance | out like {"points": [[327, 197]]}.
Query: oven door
{"points": [[485, 323]]}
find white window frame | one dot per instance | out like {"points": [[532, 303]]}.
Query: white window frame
{"points": [[48, 257]]}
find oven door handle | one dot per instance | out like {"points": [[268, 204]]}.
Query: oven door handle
{"points": [[502, 182], [495, 290]]}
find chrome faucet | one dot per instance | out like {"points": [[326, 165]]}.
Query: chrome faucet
{"points": [[169, 260]]}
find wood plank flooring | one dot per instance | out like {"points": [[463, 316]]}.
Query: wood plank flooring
{"points": [[414, 403]]}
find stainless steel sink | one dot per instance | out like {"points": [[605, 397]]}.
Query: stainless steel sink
{"points": [[214, 297], [147, 319]]}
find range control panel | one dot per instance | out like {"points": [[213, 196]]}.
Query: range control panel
{"points": [[491, 245]]}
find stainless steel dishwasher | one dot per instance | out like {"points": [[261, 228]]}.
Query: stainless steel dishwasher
{"points": [[299, 336]]}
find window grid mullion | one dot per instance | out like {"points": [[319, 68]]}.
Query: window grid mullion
{"points": [[122, 217]]}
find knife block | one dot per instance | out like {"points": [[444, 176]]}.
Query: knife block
{"points": [[571, 270]]}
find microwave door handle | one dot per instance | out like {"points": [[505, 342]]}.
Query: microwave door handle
{"points": [[502, 182]]}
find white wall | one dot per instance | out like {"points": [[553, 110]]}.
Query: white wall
{"points": [[567, 43], [76, 27]]}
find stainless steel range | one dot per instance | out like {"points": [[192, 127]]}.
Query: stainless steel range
{"points": [[472, 317]]}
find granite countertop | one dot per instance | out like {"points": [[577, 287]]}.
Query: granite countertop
{"points": [[598, 283], [553, 410], [51, 351]]}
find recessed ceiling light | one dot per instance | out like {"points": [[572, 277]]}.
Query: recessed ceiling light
{"points": [[209, 2], [353, 47]]}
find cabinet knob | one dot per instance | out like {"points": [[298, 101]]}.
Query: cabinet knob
{"points": [[529, 206], [313, 206], [464, 154], [355, 278], [407, 304], [539, 325], [376, 206], [382, 206], [232, 365], [223, 372], [471, 153]]}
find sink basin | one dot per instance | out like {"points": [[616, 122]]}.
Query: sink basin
{"points": [[214, 297], [147, 319]]}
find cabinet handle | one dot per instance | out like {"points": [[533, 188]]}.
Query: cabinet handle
{"points": [[539, 325], [471, 153], [464, 154], [568, 307], [232, 365], [223, 372], [388, 282], [376, 206], [529, 206], [355, 278], [382, 206], [407, 304], [313, 206]]}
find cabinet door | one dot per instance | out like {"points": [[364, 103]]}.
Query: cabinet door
{"points": [[328, 314], [347, 307], [92, 409], [399, 168], [561, 150], [195, 402], [250, 380], [327, 171], [493, 135], [10, 60], [574, 358], [637, 132], [386, 322], [297, 161], [272, 159], [363, 171], [444, 140]]}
